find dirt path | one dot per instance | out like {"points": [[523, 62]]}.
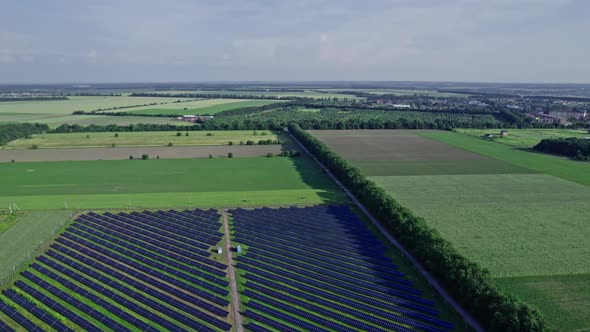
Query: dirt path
{"points": [[232, 276]]}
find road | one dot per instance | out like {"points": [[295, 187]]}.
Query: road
{"points": [[431, 280], [232, 276]]}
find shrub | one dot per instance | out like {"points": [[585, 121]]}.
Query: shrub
{"points": [[230, 143], [248, 142], [87, 136], [34, 146], [270, 154], [186, 134], [145, 156], [210, 156], [230, 155], [210, 134], [157, 157], [170, 144], [178, 134], [131, 157], [116, 134], [113, 145]]}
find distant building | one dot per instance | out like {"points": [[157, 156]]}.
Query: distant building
{"points": [[402, 106], [504, 133], [194, 118]]}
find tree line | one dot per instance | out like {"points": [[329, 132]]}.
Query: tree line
{"points": [[10, 132], [208, 96], [466, 281], [578, 148], [32, 98]]}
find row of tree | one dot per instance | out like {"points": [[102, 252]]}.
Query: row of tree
{"points": [[31, 98], [468, 283], [10, 132], [211, 95], [578, 148]]}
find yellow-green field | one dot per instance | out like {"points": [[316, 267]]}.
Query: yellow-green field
{"points": [[200, 107], [148, 138], [77, 104], [525, 138]]}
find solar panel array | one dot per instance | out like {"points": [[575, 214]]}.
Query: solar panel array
{"points": [[321, 269], [148, 271]]}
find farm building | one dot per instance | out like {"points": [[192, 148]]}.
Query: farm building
{"points": [[504, 133], [194, 118]]}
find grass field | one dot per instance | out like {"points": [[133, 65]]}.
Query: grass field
{"points": [[25, 236], [571, 170], [201, 107], [159, 138], [54, 121], [525, 138], [162, 183]]}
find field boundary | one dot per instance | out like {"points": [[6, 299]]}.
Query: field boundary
{"points": [[431, 280]]}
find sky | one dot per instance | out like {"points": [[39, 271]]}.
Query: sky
{"points": [[67, 41]]}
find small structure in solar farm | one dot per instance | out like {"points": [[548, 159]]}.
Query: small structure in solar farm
{"points": [[219, 250]]}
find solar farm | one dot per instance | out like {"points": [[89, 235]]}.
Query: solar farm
{"points": [[320, 269], [147, 271], [160, 271]]}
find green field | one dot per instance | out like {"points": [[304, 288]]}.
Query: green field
{"points": [[54, 121], [525, 138], [571, 170], [157, 138], [164, 183], [23, 238], [77, 104], [563, 299], [201, 107], [512, 224]]}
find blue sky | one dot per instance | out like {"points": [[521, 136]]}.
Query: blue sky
{"points": [[192, 40]]}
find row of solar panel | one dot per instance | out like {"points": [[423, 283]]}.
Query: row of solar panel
{"points": [[191, 221], [310, 253], [392, 276], [126, 264], [125, 247], [344, 300], [194, 228], [17, 317], [331, 286], [368, 246], [320, 318], [146, 229], [197, 255], [378, 317], [93, 312], [150, 244], [143, 300], [157, 292], [259, 231], [351, 257], [36, 311], [364, 280], [337, 227], [166, 229]]}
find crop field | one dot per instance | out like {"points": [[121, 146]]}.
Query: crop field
{"points": [[125, 272], [405, 152], [564, 168], [517, 206], [165, 183], [175, 152], [525, 138], [201, 107], [299, 289], [77, 104], [157, 138]]}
